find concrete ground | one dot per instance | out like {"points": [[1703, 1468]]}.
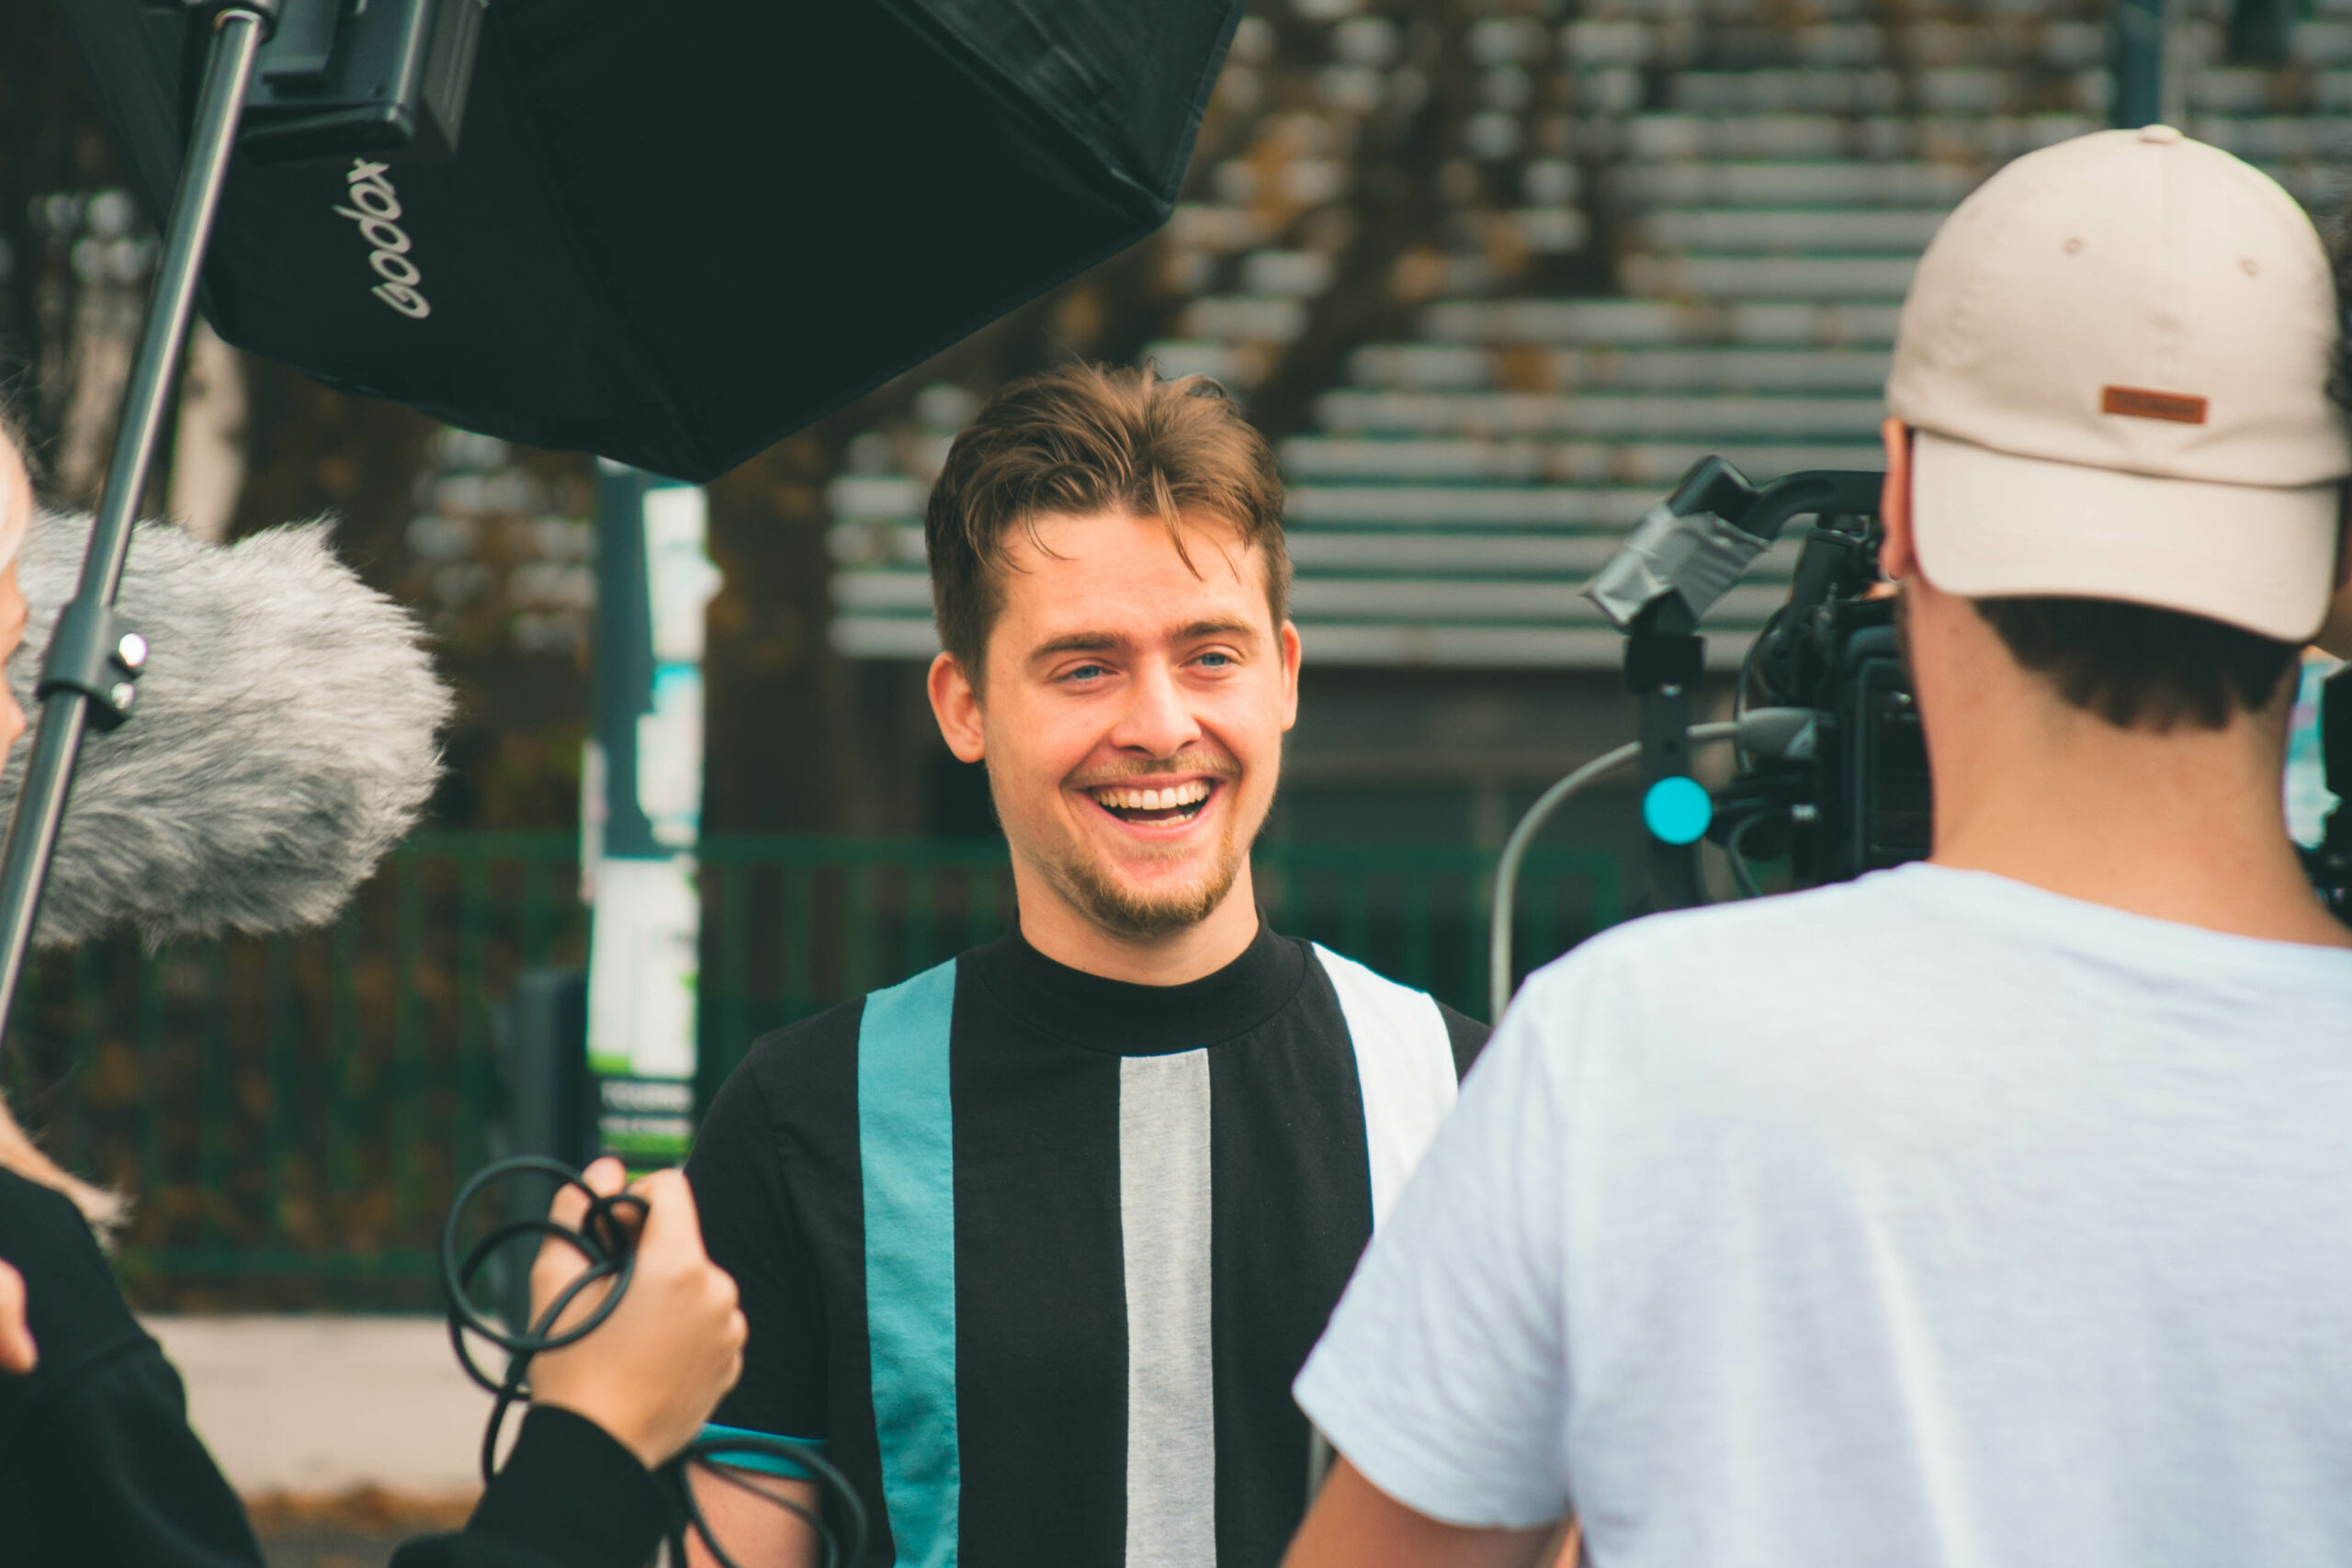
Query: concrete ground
{"points": [[345, 1436], [320, 1407]]}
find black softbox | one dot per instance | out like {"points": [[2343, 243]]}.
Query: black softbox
{"points": [[673, 233]]}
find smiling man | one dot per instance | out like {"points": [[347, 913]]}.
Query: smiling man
{"points": [[1036, 1241]]}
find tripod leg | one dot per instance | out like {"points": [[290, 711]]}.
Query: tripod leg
{"points": [[40, 808]]}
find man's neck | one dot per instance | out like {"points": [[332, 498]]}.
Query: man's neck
{"points": [[2186, 826], [1064, 935]]}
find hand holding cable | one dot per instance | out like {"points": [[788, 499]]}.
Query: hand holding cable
{"points": [[626, 1265], [673, 1346]]}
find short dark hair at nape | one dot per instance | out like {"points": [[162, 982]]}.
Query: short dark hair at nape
{"points": [[1081, 439], [2138, 667]]}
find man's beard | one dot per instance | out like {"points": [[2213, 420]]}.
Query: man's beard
{"points": [[1081, 878]]}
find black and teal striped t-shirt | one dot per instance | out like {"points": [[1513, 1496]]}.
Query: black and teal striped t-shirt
{"points": [[1038, 1254]]}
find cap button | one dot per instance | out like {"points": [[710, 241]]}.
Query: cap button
{"points": [[2161, 135]]}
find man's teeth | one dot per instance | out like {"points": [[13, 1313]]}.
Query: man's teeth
{"points": [[1168, 799]]}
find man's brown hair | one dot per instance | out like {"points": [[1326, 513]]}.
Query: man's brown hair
{"points": [[1093, 438]]}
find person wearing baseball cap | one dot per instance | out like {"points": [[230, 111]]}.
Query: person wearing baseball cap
{"points": [[1990, 1209]]}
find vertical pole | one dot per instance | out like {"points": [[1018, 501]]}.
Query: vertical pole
{"points": [[2139, 56], [641, 821], [2262, 32]]}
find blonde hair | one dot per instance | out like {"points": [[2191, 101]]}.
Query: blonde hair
{"points": [[106, 1211]]}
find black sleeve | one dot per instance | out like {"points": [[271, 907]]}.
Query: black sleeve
{"points": [[570, 1497], [99, 1466], [132, 1482], [753, 1229], [1466, 1035]]}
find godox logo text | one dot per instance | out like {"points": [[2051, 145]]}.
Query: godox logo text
{"points": [[376, 210]]}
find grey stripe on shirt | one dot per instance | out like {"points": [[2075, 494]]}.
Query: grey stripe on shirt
{"points": [[1164, 1229]]}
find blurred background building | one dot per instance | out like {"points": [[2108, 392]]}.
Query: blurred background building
{"points": [[1492, 272]]}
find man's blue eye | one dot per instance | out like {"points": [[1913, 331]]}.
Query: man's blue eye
{"points": [[1216, 659], [1087, 670]]}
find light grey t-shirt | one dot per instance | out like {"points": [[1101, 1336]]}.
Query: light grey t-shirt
{"points": [[1931, 1219]]}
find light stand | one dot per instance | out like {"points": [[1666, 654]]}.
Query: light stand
{"points": [[94, 660], [292, 81]]}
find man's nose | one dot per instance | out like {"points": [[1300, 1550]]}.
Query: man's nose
{"points": [[1158, 720]]}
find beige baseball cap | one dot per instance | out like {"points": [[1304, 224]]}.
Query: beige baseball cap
{"points": [[2116, 355]]}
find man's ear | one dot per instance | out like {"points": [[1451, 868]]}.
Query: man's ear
{"points": [[1292, 652], [1896, 556], [955, 703]]}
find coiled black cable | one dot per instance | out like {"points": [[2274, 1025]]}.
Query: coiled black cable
{"points": [[609, 1251]]}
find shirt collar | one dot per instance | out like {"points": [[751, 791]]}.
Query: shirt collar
{"points": [[1121, 1018]]}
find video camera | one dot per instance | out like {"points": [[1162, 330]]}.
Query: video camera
{"points": [[1832, 764], [1850, 793]]}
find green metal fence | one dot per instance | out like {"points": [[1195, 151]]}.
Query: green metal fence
{"points": [[291, 1115]]}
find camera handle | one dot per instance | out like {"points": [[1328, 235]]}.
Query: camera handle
{"points": [[1665, 660]]}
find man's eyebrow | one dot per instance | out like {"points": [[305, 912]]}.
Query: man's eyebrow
{"points": [[1103, 642], [1076, 642], [1225, 626]]}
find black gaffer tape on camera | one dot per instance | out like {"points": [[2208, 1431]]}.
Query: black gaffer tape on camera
{"points": [[672, 235]]}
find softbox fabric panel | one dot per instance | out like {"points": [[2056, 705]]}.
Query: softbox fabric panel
{"points": [[671, 236]]}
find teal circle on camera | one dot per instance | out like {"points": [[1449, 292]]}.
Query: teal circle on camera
{"points": [[1677, 810]]}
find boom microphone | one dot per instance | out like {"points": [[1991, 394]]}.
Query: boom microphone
{"points": [[285, 736]]}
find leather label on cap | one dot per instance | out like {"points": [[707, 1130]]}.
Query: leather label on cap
{"points": [[2138, 404]]}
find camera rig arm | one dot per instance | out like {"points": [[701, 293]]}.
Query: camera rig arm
{"points": [[1680, 561]]}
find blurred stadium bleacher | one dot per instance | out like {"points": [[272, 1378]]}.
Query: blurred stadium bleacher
{"points": [[1658, 228]]}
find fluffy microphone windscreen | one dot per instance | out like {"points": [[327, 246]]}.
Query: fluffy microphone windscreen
{"points": [[285, 736]]}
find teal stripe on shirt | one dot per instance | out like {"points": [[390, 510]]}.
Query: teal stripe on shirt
{"points": [[761, 1460], [907, 1149]]}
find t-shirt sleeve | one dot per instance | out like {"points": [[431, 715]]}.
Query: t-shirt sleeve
{"points": [[753, 1229], [1443, 1376]]}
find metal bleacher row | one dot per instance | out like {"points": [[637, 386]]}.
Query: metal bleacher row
{"points": [[1737, 192]]}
